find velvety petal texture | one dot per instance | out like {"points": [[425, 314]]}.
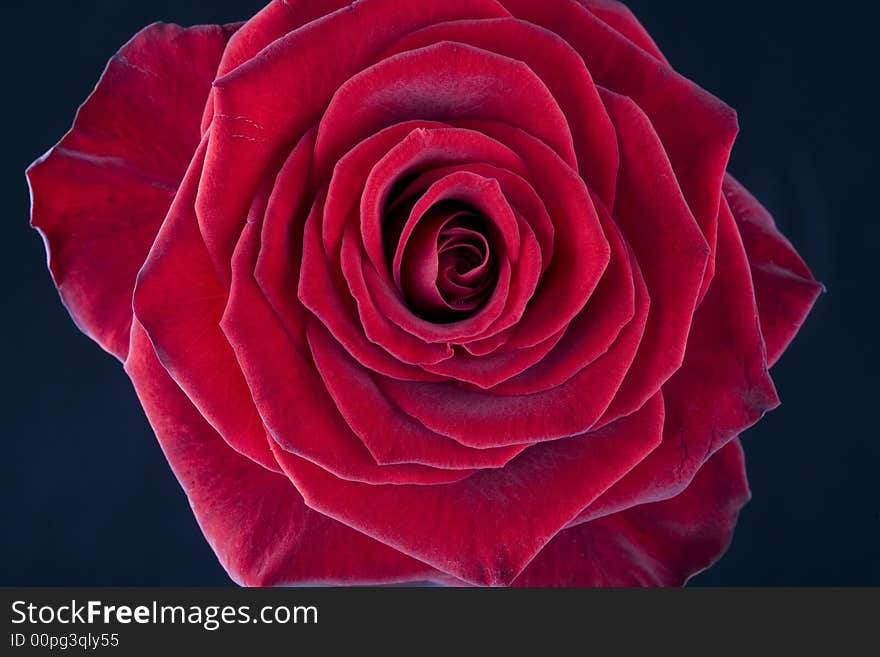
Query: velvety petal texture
{"points": [[657, 544], [455, 292], [99, 196]]}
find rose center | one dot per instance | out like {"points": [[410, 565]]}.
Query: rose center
{"points": [[442, 260]]}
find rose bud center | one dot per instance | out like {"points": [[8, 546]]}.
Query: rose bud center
{"points": [[443, 262]]}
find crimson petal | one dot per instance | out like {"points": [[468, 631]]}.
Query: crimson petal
{"points": [[290, 396], [247, 102], [697, 130], [784, 287], [488, 527], [179, 301], [391, 436], [277, 268], [480, 419], [255, 520], [440, 82], [618, 16], [100, 195], [669, 247], [593, 332], [722, 388], [660, 544], [560, 68]]}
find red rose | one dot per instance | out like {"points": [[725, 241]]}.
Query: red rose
{"points": [[454, 291]]}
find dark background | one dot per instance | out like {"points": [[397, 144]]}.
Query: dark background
{"points": [[87, 498]]}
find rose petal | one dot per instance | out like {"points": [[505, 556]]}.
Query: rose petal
{"points": [[440, 82], [290, 396], [255, 520], [272, 22], [517, 190], [433, 153], [425, 147], [364, 177], [388, 318], [482, 419], [668, 245], [595, 329], [618, 16], [784, 286], [278, 264], [722, 388], [179, 302], [489, 371], [486, 528], [660, 544], [581, 250], [697, 130], [323, 290], [405, 145], [671, 253], [560, 68], [526, 203], [389, 434], [100, 195], [255, 126]]}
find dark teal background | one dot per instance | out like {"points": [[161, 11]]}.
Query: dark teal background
{"points": [[87, 498]]}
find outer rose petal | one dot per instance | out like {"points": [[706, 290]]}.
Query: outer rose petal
{"points": [[619, 17], [784, 287], [179, 302], [100, 195], [660, 544], [486, 528], [722, 388], [255, 520], [669, 248], [272, 22]]}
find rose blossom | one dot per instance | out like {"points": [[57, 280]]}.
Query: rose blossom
{"points": [[450, 291]]}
